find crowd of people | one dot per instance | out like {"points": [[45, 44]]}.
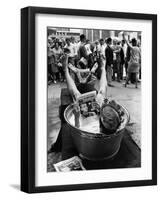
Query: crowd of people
{"points": [[122, 59]]}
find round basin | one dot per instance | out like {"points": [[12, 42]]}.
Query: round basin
{"points": [[96, 145]]}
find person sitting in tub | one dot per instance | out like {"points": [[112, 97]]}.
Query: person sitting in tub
{"points": [[109, 116]]}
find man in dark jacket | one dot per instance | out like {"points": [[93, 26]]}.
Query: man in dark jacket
{"points": [[109, 61]]}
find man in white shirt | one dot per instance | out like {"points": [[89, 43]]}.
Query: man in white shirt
{"points": [[75, 46], [71, 48], [87, 46], [102, 48]]}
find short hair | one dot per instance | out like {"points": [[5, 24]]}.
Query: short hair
{"points": [[82, 37], [56, 43], [134, 42], [108, 40], [70, 59], [66, 50], [101, 40], [67, 39]]}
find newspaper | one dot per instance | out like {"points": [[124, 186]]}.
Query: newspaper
{"points": [[71, 164], [87, 104]]}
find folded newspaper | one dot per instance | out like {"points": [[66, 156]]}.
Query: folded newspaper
{"points": [[88, 105], [71, 164]]}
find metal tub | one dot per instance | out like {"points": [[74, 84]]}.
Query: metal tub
{"points": [[99, 146]]}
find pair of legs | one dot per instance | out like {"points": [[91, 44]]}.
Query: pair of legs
{"points": [[126, 66], [129, 76], [62, 75], [121, 71], [117, 70], [54, 72]]}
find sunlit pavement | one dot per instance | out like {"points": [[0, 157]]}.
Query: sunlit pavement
{"points": [[129, 97]]}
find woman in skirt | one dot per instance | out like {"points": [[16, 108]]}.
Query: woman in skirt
{"points": [[134, 62]]}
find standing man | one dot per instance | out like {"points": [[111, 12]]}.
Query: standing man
{"points": [[82, 52], [71, 47], [109, 61], [102, 48], [116, 59]]}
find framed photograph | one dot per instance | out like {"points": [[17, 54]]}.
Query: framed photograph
{"points": [[88, 99]]}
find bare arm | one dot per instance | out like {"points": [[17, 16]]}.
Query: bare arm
{"points": [[70, 82], [75, 70], [103, 80], [94, 68], [102, 93], [127, 42]]}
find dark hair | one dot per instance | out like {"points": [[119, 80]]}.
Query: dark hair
{"points": [[85, 87], [123, 41], [70, 59], [82, 37], [134, 42], [56, 43], [66, 50], [108, 40], [82, 65], [67, 39], [101, 40]]}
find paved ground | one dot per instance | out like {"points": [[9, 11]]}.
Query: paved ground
{"points": [[129, 97]]}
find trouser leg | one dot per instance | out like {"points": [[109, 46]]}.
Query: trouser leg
{"points": [[118, 71], [114, 69], [121, 71], [109, 74], [126, 66]]}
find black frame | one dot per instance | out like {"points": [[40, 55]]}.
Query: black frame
{"points": [[28, 98]]}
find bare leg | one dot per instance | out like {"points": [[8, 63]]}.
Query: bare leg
{"points": [[136, 80], [127, 78]]}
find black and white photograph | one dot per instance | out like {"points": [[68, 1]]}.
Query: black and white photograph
{"points": [[94, 82], [89, 91]]}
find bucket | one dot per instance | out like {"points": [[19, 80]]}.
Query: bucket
{"points": [[96, 146]]}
